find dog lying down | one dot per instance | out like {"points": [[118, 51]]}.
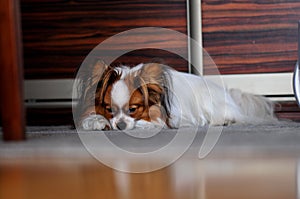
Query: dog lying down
{"points": [[154, 95]]}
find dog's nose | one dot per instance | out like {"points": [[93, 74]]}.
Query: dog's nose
{"points": [[121, 125]]}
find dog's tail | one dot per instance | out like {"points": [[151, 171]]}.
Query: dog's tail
{"points": [[254, 108]]}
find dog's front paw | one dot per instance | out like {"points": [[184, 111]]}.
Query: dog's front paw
{"points": [[142, 124], [95, 122]]}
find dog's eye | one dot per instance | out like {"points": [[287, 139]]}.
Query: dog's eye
{"points": [[132, 109], [109, 109]]}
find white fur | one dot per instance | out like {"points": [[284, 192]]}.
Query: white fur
{"points": [[130, 122], [120, 94], [197, 101], [95, 122]]}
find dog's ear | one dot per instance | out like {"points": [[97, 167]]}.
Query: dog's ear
{"points": [[157, 78], [97, 71], [152, 73], [86, 84], [154, 80]]}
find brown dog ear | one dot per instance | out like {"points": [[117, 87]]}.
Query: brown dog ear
{"points": [[98, 70], [152, 73], [86, 84], [100, 66], [150, 80], [90, 76], [158, 80]]}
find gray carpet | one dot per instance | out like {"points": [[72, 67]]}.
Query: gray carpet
{"points": [[236, 140]]}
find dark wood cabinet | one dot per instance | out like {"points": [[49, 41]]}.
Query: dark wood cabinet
{"points": [[58, 34], [251, 36]]}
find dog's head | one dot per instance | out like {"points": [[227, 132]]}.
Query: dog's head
{"points": [[125, 96]]}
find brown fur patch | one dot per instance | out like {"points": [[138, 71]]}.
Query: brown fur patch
{"points": [[149, 84]]}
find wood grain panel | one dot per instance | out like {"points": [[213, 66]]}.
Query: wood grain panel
{"points": [[152, 55], [58, 34], [251, 36]]}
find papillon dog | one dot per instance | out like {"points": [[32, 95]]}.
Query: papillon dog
{"points": [[154, 95]]}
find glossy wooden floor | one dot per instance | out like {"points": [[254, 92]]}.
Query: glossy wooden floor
{"points": [[247, 162], [187, 178]]}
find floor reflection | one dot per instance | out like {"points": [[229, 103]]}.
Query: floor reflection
{"points": [[186, 178]]}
